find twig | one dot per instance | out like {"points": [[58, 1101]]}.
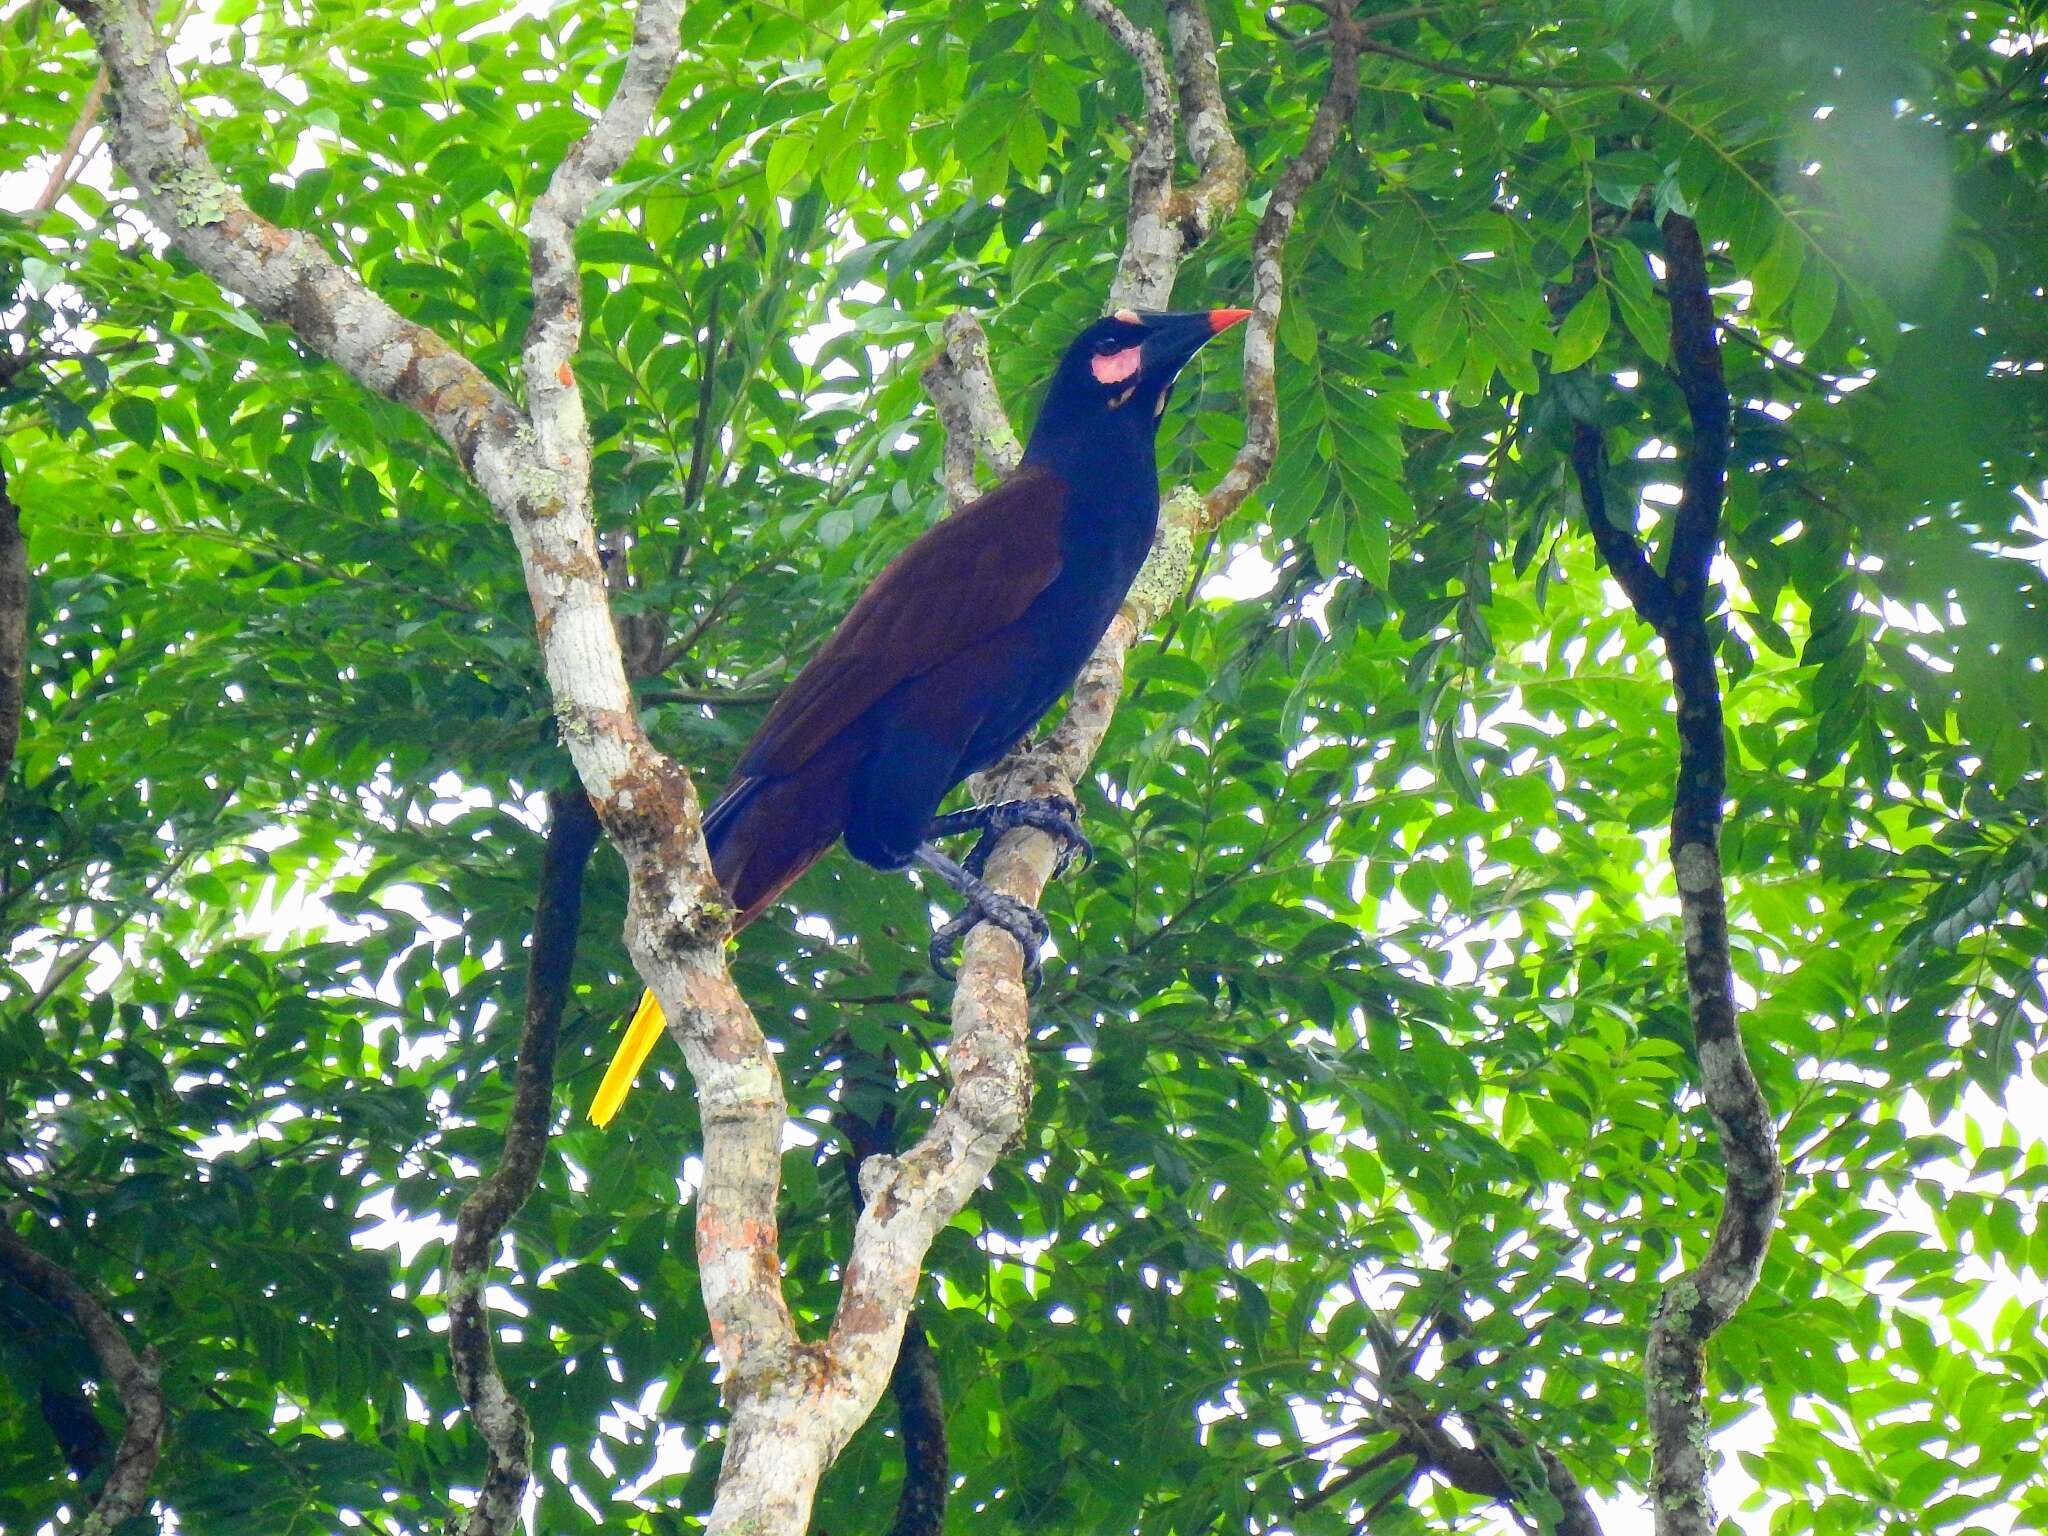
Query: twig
{"points": [[1458, 71], [60, 173], [499, 1418], [1269, 281], [66, 968], [134, 1379], [13, 628]]}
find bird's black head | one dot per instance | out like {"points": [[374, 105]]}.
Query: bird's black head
{"points": [[1120, 370]]}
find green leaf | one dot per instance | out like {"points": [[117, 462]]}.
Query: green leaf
{"points": [[1641, 310], [788, 157], [1582, 330]]}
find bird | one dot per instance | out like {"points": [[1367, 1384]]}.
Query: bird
{"points": [[952, 655]]}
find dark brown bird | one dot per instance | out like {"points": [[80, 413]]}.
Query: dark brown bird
{"points": [[954, 653]]}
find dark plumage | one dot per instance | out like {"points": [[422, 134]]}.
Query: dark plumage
{"points": [[961, 644]]}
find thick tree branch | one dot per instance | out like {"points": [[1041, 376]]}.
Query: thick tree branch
{"points": [[535, 473], [989, 1058], [914, 1382], [13, 628], [557, 920], [1698, 1303], [132, 1377], [1201, 206], [793, 1404], [1696, 358], [286, 274]]}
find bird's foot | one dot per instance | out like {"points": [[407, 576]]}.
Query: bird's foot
{"points": [[1055, 815], [985, 904]]}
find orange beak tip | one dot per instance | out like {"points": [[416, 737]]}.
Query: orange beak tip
{"points": [[1224, 319]]}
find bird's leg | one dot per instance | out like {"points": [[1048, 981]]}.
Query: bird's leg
{"points": [[1055, 815], [985, 904]]}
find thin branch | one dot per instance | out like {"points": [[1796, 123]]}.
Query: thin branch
{"points": [[1697, 1304], [715, 697], [1357, 1472], [82, 951], [14, 593], [1618, 546], [1269, 280], [970, 409], [133, 1378], [499, 1418], [60, 172], [1458, 71]]}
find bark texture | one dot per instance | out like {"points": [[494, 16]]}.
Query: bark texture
{"points": [[498, 1416], [1699, 1302], [133, 1378], [914, 1383]]}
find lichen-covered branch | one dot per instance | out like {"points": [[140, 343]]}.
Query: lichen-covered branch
{"points": [[1151, 244], [909, 1197], [535, 473], [914, 1382], [1199, 207], [963, 392], [499, 1418], [793, 1404], [133, 1379], [1699, 1302], [285, 274], [1167, 221]]}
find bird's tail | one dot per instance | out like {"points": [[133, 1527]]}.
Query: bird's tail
{"points": [[761, 834]]}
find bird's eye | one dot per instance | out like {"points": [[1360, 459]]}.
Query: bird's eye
{"points": [[1110, 344]]}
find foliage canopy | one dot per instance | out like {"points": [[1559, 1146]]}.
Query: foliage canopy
{"points": [[1369, 1011]]}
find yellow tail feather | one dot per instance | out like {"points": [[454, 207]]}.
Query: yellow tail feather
{"points": [[633, 1050]]}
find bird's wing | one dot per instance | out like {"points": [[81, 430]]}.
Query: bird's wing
{"points": [[961, 581]]}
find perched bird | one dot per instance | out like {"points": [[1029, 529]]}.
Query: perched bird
{"points": [[952, 655]]}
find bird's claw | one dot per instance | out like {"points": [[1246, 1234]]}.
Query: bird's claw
{"points": [[1020, 921], [1055, 815]]}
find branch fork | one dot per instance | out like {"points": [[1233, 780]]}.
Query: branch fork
{"points": [[1698, 1303]]}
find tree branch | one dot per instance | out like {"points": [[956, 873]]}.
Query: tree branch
{"points": [[1254, 459], [970, 409], [61, 168], [535, 473], [13, 628], [1698, 1303], [1151, 245], [133, 1378], [557, 920], [1198, 209], [286, 274], [914, 1382], [1618, 545]]}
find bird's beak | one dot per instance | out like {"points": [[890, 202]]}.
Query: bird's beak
{"points": [[1175, 338]]}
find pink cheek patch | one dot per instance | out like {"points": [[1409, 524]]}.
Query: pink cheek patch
{"points": [[1115, 367]]}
